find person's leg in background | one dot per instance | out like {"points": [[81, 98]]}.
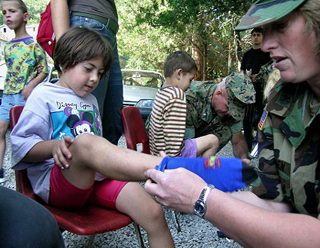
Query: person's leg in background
{"points": [[111, 120], [110, 92], [25, 223]]}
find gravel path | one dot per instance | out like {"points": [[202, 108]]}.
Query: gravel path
{"points": [[195, 232]]}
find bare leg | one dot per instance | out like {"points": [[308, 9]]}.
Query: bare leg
{"points": [[92, 153], [4, 125], [134, 201], [207, 145]]}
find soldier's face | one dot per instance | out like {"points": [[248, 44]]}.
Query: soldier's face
{"points": [[292, 48], [256, 38], [220, 103]]}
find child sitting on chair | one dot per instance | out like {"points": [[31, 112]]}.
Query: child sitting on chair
{"points": [[56, 140], [167, 123]]}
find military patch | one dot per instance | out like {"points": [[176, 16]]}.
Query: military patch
{"points": [[263, 119]]}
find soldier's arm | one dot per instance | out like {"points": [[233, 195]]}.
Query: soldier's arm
{"points": [[256, 226], [269, 224]]}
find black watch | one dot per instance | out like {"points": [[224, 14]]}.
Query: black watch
{"points": [[200, 205]]}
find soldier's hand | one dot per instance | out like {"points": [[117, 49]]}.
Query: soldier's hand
{"points": [[247, 161]]}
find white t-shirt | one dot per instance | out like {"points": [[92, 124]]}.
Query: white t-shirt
{"points": [[51, 112]]}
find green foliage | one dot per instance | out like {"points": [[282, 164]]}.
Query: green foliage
{"points": [[151, 29], [35, 8]]}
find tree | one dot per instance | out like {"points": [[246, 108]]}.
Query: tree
{"points": [[151, 29], [203, 28]]}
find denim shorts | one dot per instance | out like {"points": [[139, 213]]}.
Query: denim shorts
{"points": [[190, 149], [9, 101]]}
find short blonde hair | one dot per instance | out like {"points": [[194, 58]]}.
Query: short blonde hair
{"points": [[311, 11], [20, 4]]}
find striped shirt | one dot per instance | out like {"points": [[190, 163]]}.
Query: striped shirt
{"points": [[168, 122]]}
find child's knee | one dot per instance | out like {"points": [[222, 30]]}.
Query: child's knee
{"points": [[154, 211], [83, 142], [213, 139]]}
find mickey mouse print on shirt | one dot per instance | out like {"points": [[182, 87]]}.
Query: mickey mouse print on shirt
{"points": [[73, 122]]}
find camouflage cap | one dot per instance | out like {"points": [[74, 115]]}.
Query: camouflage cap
{"points": [[240, 92], [263, 12]]}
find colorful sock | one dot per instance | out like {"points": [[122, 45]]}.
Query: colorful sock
{"points": [[226, 174]]}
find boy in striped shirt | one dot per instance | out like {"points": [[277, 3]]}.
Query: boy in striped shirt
{"points": [[167, 123]]}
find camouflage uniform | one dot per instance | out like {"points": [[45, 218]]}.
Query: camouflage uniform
{"points": [[264, 12], [289, 148], [263, 76], [201, 117], [289, 141]]}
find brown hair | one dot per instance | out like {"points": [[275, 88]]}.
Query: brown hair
{"points": [[178, 60], [79, 44]]}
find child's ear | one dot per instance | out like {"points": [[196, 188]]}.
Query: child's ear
{"points": [[179, 73], [26, 16]]}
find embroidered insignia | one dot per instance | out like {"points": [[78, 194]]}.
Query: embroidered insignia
{"points": [[212, 162], [263, 119]]}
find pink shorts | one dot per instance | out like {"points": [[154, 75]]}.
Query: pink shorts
{"points": [[63, 194], [190, 149]]}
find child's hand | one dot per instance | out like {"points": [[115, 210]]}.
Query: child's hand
{"points": [[39, 68], [61, 153]]}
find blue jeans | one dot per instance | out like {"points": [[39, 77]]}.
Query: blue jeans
{"points": [[109, 92]]}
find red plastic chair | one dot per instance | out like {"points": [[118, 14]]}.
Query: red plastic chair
{"points": [[88, 220], [135, 133], [134, 129]]}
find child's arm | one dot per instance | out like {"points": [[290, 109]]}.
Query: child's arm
{"points": [[32, 84], [56, 149]]}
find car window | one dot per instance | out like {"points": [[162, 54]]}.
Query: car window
{"points": [[142, 80], [145, 103]]}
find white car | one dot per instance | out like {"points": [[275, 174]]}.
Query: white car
{"points": [[140, 88]]}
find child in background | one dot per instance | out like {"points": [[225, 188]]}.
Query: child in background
{"points": [[56, 139], [167, 124], [22, 55]]}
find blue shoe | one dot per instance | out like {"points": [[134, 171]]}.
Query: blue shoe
{"points": [[2, 178]]}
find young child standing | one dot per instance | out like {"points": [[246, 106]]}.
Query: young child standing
{"points": [[167, 122], [22, 55], [56, 138]]}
